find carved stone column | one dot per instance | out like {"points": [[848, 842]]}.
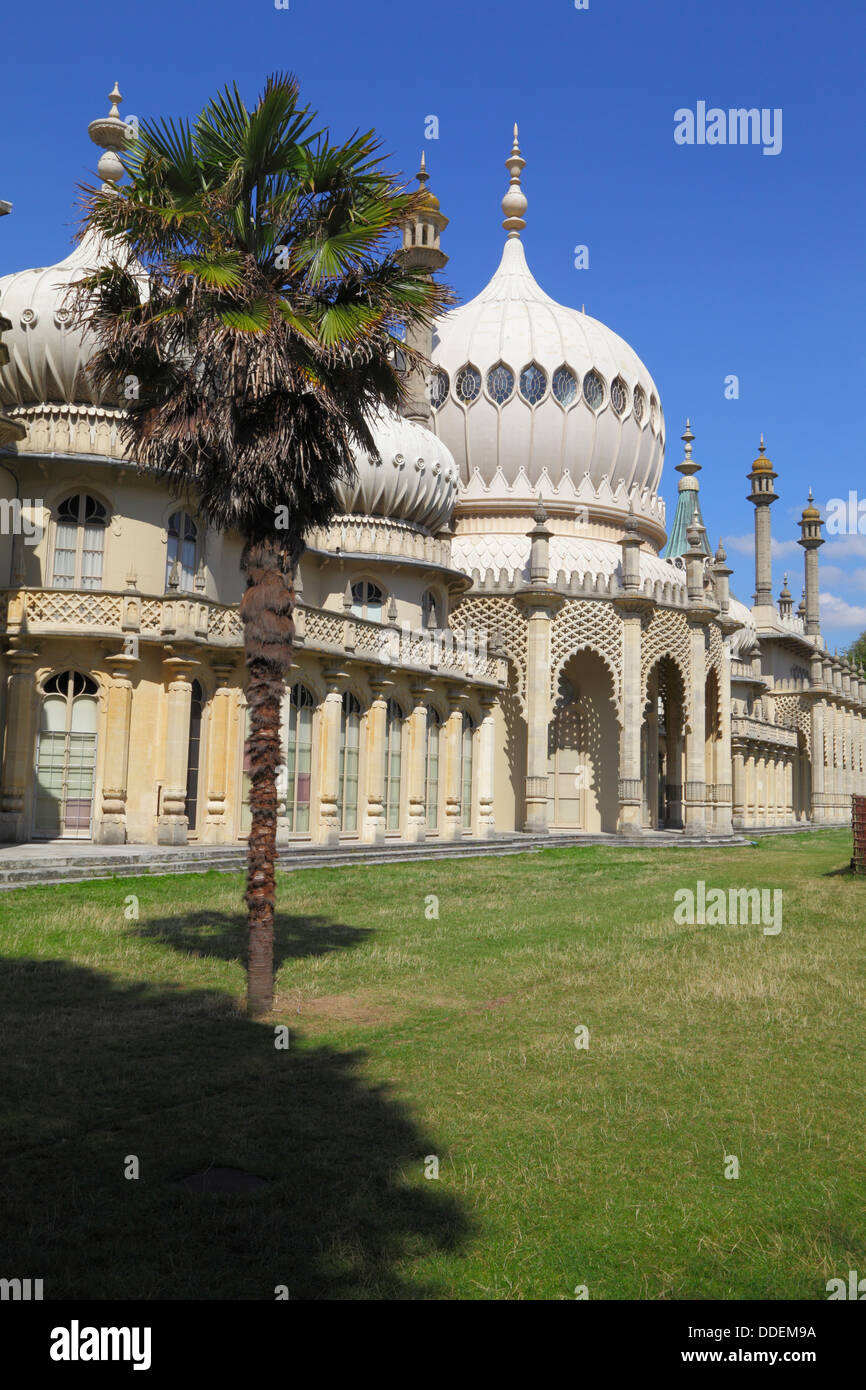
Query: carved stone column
{"points": [[630, 779], [328, 828], [19, 740], [452, 828], [110, 828], [416, 826], [723, 769], [376, 741], [738, 769], [819, 781], [217, 826], [696, 752], [173, 825], [485, 743], [540, 612]]}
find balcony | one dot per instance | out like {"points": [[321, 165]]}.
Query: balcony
{"points": [[128, 616]]}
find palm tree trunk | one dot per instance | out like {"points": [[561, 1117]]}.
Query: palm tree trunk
{"points": [[266, 612]]}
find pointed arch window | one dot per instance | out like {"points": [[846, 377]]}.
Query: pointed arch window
{"points": [[565, 386], [79, 542], [593, 390], [181, 551], [533, 383], [500, 383]]}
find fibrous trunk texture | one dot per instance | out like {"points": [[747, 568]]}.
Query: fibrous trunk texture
{"points": [[266, 612]]}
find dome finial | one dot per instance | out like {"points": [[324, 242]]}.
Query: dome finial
{"points": [[514, 202], [111, 134]]}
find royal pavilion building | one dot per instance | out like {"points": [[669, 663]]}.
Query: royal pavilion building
{"points": [[497, 634]]}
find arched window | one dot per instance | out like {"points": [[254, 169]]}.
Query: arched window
{"points": [[350, 743], [79, 543], [393, 765], [181, 550], [193, 755], [466, 771], [66, 757], [298, 756], [431, 796], [367, 600]]}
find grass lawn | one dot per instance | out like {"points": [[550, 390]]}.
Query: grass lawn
{"points": [[413, 1036]]}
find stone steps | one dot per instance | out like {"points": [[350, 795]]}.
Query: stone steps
{"points": [[46, 869]]}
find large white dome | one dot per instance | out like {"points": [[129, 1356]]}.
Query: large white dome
{"points": [[526, 384]]}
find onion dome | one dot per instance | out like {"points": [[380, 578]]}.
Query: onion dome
{"points": [[532, 396], [415, 480]]}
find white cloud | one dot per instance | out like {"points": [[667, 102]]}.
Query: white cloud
{"points": [[745, 545], [836, 613], [845, 548]]}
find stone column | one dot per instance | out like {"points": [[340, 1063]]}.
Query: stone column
{"points": [[376, 743], [790, 808], [772, 763], [217, 827], [328, 828], [173, 825], [696, 784], [19, 742], [110, 828], [738, 770], [652, 770], [761, 787], [819, 780], [751, 814], [416, 826], [485, 762], [723, 770], [630, 779], [537, 712], [452, 828]]}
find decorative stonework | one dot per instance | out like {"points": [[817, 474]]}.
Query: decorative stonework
{"points": [[579, 625], [667, 634]]}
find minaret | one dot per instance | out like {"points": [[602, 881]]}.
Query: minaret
{"points": [[811, 540], [421, 249], [688, 503], [763, 495]]}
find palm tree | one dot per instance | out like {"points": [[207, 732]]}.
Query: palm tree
{"points": [[261, 342]]}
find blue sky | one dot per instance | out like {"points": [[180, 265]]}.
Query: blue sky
{"points": [[710, 260]]}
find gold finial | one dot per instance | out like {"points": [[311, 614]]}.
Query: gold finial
{"points": [[514, 202]]}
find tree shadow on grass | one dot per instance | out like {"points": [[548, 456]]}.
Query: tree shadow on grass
{"points": [[94, 1072], [224, 935]]}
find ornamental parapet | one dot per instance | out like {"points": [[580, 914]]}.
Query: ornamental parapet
{"points": [[756, 731], [131, 617]]}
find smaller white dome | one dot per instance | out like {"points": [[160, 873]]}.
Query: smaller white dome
{"points": [[416, 480], [745, 641], [47, 355]]}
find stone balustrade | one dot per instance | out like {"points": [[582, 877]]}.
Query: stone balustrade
{"points": [[188, 618]]}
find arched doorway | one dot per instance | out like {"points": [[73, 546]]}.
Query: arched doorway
{"points": [[431, 779], [66, 758], [662, 746], [295, 775], [583, 748]]}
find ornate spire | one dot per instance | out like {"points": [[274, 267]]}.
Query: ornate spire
{"points": [[111, 134], [688, 503], [514, 202]]}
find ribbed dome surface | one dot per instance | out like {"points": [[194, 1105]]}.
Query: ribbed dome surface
{"points": [[580, 399], [415, 481]]}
